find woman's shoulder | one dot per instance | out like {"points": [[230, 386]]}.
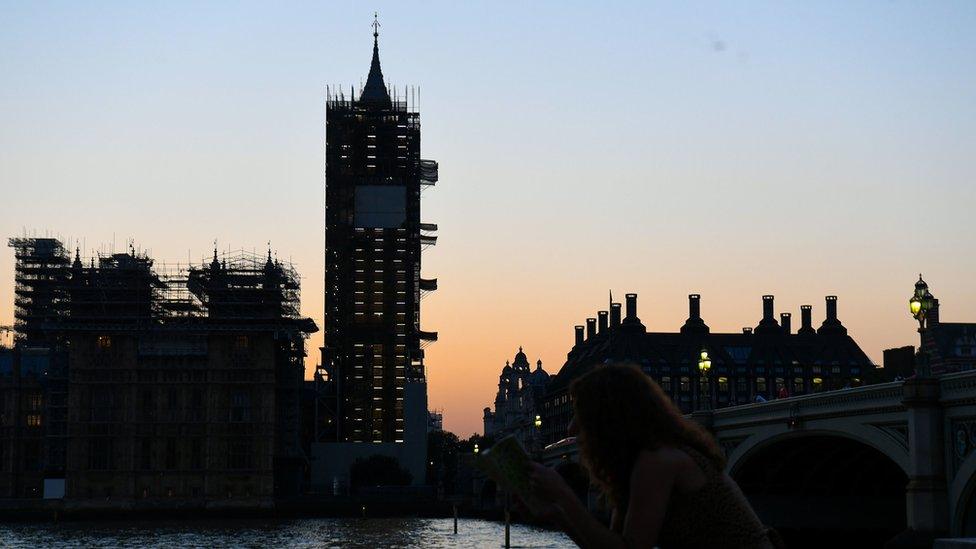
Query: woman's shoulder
{"points": [[663, 459], [672, 461], [663, 455]]}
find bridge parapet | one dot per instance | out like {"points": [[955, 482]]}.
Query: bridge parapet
{"points": [[958, 388], [883, 397]]}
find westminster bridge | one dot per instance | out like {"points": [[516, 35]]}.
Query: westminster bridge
{"points": [[879, 457]]}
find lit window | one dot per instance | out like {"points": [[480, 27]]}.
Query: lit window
{"points": [[723, 384], [104, 342], [666, 383], [34, 420], [240, 343]]}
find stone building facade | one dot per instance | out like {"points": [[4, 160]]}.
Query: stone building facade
{"points": [[764, 362], [518, 402]]}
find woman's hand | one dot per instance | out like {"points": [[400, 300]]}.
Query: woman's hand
{"points": [[548, 486], [540, 510]]}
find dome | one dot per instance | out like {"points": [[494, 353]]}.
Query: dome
{"points": [[521, 362]]}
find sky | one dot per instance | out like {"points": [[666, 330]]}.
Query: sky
{"points": [[731, 149]]}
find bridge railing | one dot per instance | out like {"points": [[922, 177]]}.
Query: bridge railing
{"points": [[959, 386], [881, 397]]}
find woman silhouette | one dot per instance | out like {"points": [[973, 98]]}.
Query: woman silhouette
{"points": [[661, 473]]}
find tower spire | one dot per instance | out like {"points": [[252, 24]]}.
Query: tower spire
{"points": [[375, 90]]}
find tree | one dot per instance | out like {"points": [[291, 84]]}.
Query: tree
{"points": [[442, 460], [378, 470]]}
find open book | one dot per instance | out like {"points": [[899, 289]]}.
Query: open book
{"points": [[507, 464]]}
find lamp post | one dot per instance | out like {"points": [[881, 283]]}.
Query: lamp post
{"points": [[921, 305], [704, 365], [537, 432]]}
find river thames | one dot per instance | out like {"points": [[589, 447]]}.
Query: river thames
{"points": [[352, 533]]}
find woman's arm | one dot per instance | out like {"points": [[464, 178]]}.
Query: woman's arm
{"points": [[651, 483]]}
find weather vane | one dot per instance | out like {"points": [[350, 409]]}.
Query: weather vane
{"points": [[376, 24]]}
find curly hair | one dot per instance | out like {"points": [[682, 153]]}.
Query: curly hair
{"points": [[620, 411]]}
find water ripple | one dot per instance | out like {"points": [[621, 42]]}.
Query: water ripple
{"points": [[319, 533]]}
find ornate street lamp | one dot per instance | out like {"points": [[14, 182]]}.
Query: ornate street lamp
{"points": [[704, 365], [921, 305], [538, 422]]}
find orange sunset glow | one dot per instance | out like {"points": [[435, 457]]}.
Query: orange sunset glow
{"points": [[571, 165]]}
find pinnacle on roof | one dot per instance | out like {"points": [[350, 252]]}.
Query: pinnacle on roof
{"points": [[921, 285], [375, 90]]}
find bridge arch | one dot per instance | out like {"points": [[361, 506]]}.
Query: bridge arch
{"points": [[774, 434], [962, 498], [838, 485]]}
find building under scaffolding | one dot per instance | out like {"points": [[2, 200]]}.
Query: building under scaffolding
{"points": [[176, 384], [372, 381], [38, 286]]}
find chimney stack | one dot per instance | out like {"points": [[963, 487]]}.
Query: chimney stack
{"points": [[631, 300], [590, 328], [831, 325], [768, 307], [831, 307], [784, 321], [806, 319], [602, 315], [747, 330], [694, 306], [614, 315], [579, 334], [694, 324]]}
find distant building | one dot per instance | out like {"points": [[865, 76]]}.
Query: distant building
{"points": [[372, 380], [518, 402], [898, 363], [436, 421], [32, 444], [946, 346], [174, 387], [761, 363]]}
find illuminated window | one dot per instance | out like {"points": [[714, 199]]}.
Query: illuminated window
{"points": [[760, 385], [104, 342], [241, 343], [798, 385], [34, 420], [723, 384]]}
